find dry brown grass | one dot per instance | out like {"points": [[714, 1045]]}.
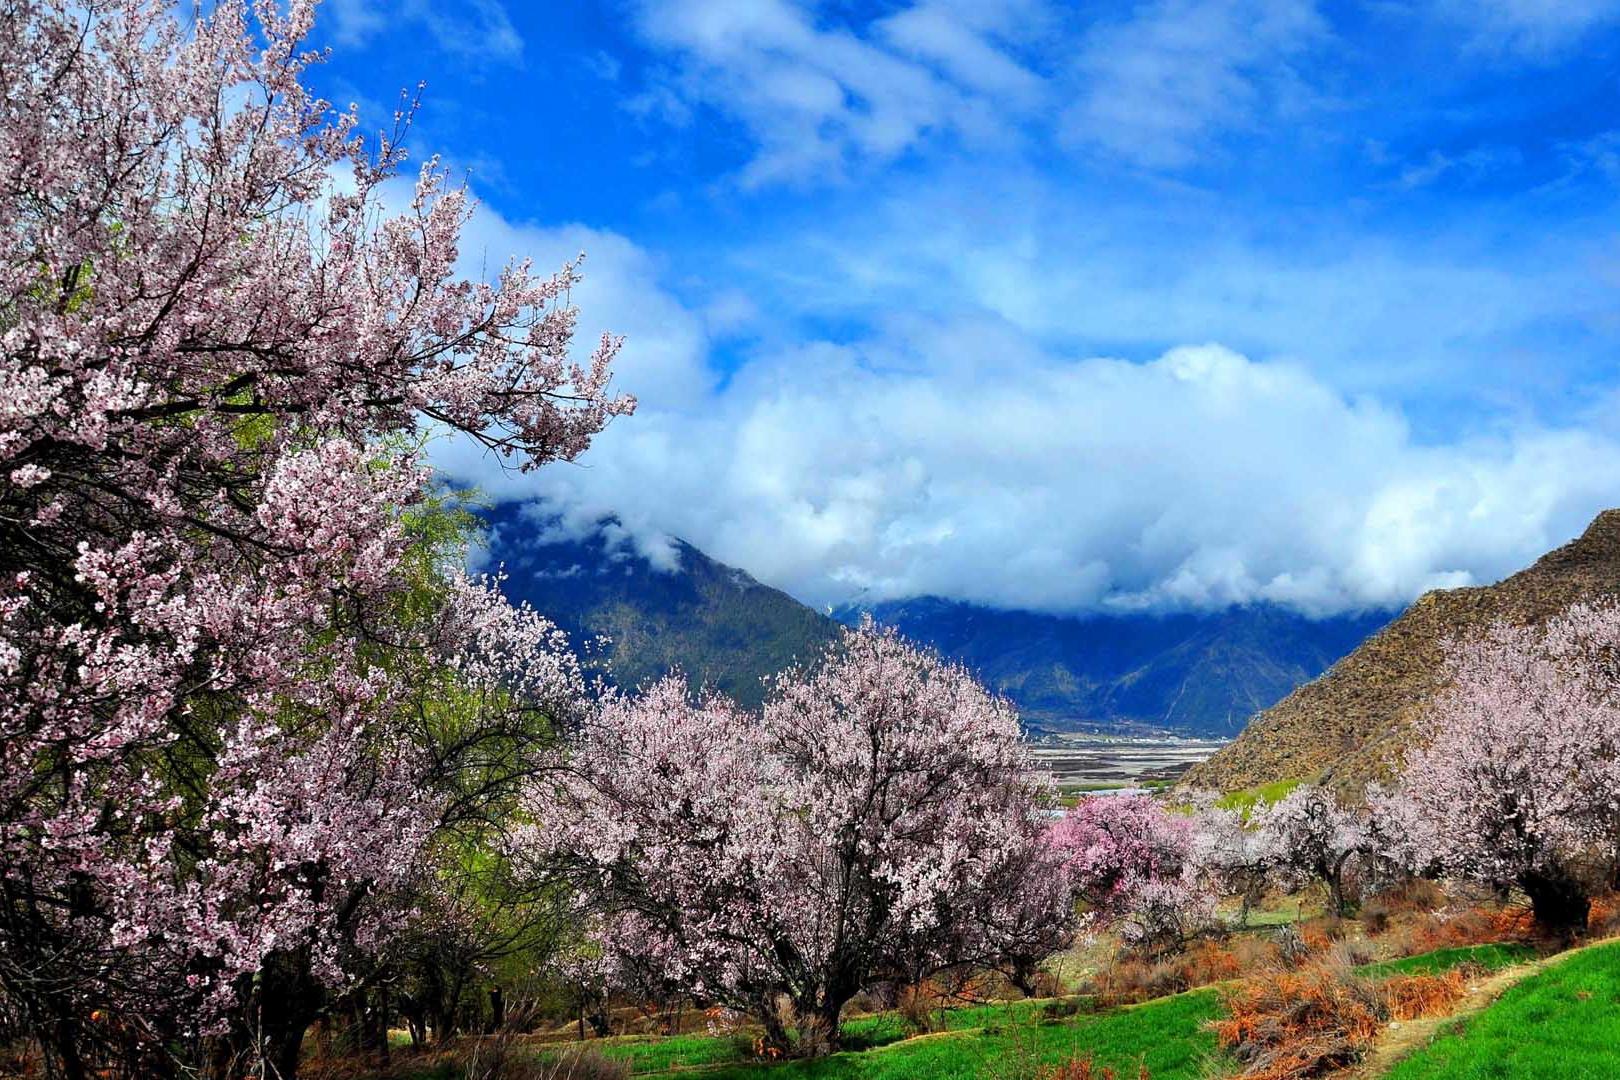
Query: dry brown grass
{"points": [[1302, 1022], [1604, 918], [1131, 979], [1418, 997], [1288, 1023]]}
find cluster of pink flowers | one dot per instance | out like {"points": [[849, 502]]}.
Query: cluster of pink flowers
{"points": [[1132, 864], [216, 346]]}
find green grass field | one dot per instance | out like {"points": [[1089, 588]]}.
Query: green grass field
{"points": [[1264, 795], [1489, 957], [1559, 1024], [1167, 1035]]}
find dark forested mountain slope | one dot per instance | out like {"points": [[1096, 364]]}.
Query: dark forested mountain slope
{"points": [[1203, 672], [712, 621]]}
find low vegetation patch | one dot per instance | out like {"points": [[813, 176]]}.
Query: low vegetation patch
{"points": [[1263, 795]]}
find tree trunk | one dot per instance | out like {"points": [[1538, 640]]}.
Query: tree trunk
{"points": [[66, 1045], [384, 1015], [1560, 906], [289, 1001], [1335, 881], [497, 1010], [831, 1015], [776, 1036]]}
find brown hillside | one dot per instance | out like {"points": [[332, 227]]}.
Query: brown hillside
{"points": [[1351, 725]]}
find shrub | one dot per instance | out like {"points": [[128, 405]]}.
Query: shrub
{"points": [[1471, 926], [1375, 915], [1292, 949], [1353, 951], [1254, 952], [920, 1005], [1063, 1008], [1297, 1023], [1210, 962], [579, 1065], [1604, 918], [1131, 979], [1046, 984], [1411, 997], [499, 1059]]}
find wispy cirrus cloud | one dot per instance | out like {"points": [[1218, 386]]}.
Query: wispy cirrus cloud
{"points": [[819, 97], [479, 29], [1158, 85], [1537, 30]]}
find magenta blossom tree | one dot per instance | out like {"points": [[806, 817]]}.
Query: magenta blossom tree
{"points": [[1520, 785], [1130, 863], [878, 821], [217, 628]]}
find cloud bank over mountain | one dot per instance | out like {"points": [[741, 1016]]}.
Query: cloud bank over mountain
{"points": [[964, 458]]}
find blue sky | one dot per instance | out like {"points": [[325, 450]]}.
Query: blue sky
{"points": [[1167, 304]]}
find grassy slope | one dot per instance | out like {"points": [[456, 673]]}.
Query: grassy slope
{"points": [[1560, 1024], [1264, 795], [1490, 957], [1166, 1035]]}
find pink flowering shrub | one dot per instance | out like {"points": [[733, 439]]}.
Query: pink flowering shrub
{"points": [[222, 654], [878, 821], [1131, 863]]}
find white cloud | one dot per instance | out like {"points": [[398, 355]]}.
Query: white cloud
{"points": [[818, 96], [1160, 84], [959, 458], [1460, 312], [1531, 29]]}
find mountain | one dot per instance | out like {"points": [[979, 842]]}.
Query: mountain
{"points": [[717, 624], [1353, 724], [1198, 673], [1202, 673]]}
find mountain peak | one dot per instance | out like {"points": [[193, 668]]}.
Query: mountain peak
{"points": [[1600, 543]]}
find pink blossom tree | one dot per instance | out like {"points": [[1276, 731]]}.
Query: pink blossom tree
{"points": [[1311, 836], [218, 650], [1130, 862], [1520, 784], [878, 821], [1233, 857]]}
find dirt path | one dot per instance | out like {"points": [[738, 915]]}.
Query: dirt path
{"points": [[1408, 1036]]}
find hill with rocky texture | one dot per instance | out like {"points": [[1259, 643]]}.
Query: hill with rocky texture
{"points": [[1353, 724]]}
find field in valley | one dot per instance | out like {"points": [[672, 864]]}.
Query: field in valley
{"points": [[1120, 762]]}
